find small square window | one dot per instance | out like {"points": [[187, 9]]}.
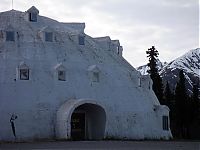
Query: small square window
{"points": [[33, 17], [10, 36], [49, 36], [61, 75], [165, 121], [81, 40], [95, 77], [24, 74]]}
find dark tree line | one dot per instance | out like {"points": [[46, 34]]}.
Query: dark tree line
{"points": [[184, 109]]}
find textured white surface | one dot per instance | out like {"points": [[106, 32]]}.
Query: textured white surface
{"points": [[129, 107]]}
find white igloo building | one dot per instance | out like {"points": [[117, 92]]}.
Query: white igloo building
{"points": [[56, 82]]}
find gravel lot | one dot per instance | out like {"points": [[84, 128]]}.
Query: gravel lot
{"points": [[106, 145]]}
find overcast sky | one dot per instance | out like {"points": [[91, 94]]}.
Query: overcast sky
{"points": [[172, 26]]}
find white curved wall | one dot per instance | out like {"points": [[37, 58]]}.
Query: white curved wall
{"points": [[129, 108]]}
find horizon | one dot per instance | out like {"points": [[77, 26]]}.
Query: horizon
{"points": [[172, 27]]}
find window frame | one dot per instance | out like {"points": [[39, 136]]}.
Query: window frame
{"points": [[95, 77], [81, 40], [49, 36], [165, 123], [10, 36], [33, 17], [63, 76], [118, 50], [23, 70]]}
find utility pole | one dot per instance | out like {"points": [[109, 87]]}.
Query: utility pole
{"points": [[12, 4]]}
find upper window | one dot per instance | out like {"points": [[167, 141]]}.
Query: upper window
{"points": [[24, 74], [95, 77], [23, 71], [118, 50], [10, 36], [61, 75], [94, 73], [165, 121], [81, 40], [32, 14], [33, 17], [49, 36], [139, 82], [60, 72]]}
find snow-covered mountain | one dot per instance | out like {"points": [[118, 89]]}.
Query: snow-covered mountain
{"points": [[189, 63], [143, 69]]}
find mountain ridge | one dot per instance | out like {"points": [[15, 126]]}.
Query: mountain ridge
{"points": [[188, 62]]}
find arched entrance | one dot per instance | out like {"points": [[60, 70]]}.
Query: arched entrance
{"points": [[81, 120], [88, 122]]}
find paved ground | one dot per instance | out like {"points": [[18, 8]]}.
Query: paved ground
{"points": [[105, 145]]}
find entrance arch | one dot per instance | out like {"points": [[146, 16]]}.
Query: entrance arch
{"points": [[81, 119]]}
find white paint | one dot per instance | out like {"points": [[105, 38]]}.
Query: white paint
{"points": [[41, 103]]}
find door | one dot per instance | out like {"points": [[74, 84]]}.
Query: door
{"points": [[78, 126]]}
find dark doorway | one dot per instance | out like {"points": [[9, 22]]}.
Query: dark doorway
{"points": [[88, 122], [78, 126]]}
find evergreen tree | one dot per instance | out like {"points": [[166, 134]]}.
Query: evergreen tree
{"points": [[181, 107], [194, 127], [195, 104], [169, 101], [152, 54], [168, 98]]}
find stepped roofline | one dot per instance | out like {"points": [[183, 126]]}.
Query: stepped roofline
{"points": [[105, 38], [11, 17]]}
